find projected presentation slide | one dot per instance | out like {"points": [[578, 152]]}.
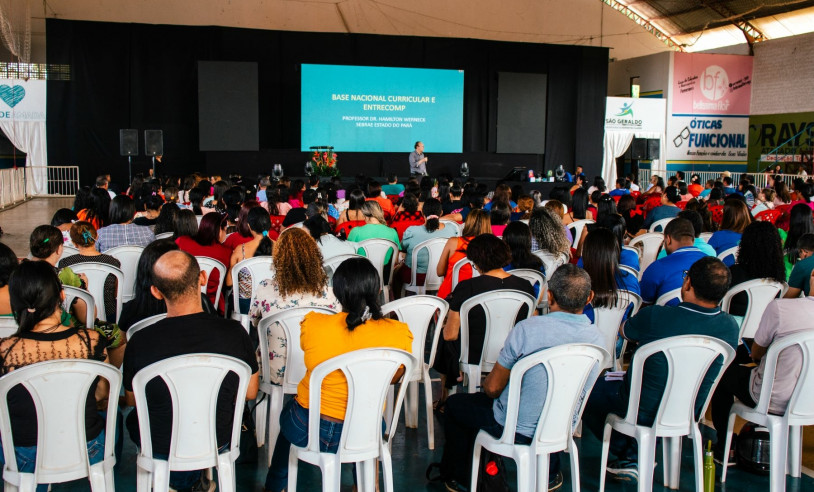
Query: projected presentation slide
{"points": [[381, 109]]}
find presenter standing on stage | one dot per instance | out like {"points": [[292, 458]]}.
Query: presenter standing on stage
{"points": [[418, 163]]}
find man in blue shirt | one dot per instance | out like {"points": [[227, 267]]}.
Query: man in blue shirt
{"points": [[569, 290], [697, 225], [728, 188], [621, 188], [667, 274], [705, 284]]}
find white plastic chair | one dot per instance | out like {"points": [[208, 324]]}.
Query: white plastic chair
{"points": [[8, 326], [208, 264], [72, 293], [260, 268], [534, 277], [551, 262], [376, 251], [454, 225], [784, 430], [760, 293], [501, 308], [733, 252], [669, 296], [568, 368], [578, 226], [164, 235], [651, 245], [432, 282], [140, 325], [193, 381], [128, 256], [659, 225], [705, 236], [369, 373], [608, 320], [419, 312], [689, 357], [456, 270], [331, 264], [68, 251], [97, 275], [267, 412], [60, 389]]}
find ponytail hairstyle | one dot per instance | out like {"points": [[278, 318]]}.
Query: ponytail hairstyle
{"points": [[356, 286], [260, 223], [45, 240], [83, 234], [432, 210], [196, 196], [34, 292]]}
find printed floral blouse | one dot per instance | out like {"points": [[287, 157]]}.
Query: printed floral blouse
{"points": [[268, 301]]}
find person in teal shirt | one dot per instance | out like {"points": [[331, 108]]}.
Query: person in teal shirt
{"points": [[375, 228], [697, 225], [800, 274], [393, 187]]}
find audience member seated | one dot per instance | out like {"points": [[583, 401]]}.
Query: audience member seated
{"points": [[375, 228], [260, 245], [455, 202], [736, 218], [706, 283], [393, 187], [800, 222], [8, 264], [548, 233], [601, 261], [329, 245], [187, 329], [579, 207], [697, 226], [408, 215], [186, 224], [83, 236], [667, 274], [764, 201], [782, 318], [666, 210], [695, 188], [621, 188], [502, 194], [783, 195], [62, 220], [354, 211], [92, 206], [477, 223], [517, 237], [298, 280], [197, 197], [684, 192], [45, 333], [148, 208], [599, 185], [525, 204], [415, 235], [728, 188], [499, 216], [360, 325], [701, 206], [243, 234], [374, 193], [798, 280], [122, 231], [207, 242], [760, 255], [165, 222], [489, 255], [569, 290], [45, 244], [557, 208], [633, 217], [143, 305]]}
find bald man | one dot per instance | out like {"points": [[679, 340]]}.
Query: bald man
{"points": [[177, 280]]}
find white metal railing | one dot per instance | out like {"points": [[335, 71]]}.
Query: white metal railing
{"points": [[12, 186], [759, 179], [53, 180]]}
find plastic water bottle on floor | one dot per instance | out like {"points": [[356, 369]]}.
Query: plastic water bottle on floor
{"points": [[709, 469]]}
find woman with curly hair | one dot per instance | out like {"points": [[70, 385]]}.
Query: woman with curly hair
{"points": [[547, 233], [760, 255], [298, 280]]}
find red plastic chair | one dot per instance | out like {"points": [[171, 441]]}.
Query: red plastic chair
{"points": [[717, 212], [343, 229], [616, 198], [635, 194], [277, 223], [769, 216], [401, 225], [394, 199], [682, 205]]}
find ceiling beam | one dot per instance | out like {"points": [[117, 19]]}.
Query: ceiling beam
{"points": [[753, 35], [645, 23]]}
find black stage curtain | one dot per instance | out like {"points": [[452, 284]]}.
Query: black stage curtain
{"points": [[145, 77]]}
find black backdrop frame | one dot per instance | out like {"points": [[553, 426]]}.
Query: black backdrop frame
{"points": [[145, 76]]}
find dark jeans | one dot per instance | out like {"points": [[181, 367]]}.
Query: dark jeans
{"points": [[734, 384], [607, 397], [179, 480], [294, 430], [466, 415]]}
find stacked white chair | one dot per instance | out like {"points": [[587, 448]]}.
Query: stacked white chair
{"points": [[59, 389], [501, 308], [760, 293], [689, 357], [785, 430], [193, 381], [267, 413], [97, 275], [128, 256], [376, 251], [608, 320], [419, 312], [432, 282], [260, 268], [369, 373], [651, 245], [568, 368]]}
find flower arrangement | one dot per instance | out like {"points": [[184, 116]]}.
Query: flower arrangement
{"points": [[324, 162]]}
